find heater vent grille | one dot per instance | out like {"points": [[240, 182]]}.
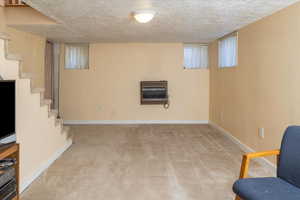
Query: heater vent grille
{"points": [[154, 92]]}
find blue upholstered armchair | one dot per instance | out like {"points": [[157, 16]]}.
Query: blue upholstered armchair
{"points": [[286, 186]]}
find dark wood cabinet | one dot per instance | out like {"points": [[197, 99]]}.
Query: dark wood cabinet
{"points": [[12, 151]]}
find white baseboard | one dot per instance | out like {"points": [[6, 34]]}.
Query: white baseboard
{"points": [[120, 122], [28, 180], [243, 146]]}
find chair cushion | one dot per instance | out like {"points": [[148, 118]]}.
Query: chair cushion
{"points": [[265, 189], [289, 160]]}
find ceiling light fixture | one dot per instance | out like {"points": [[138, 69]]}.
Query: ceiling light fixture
{"points": [[144, 16]]}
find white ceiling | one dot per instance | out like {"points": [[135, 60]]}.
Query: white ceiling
{"points": [[175, 21]]}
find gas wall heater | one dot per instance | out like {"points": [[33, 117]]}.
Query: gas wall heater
{"points": [[154, 92]]}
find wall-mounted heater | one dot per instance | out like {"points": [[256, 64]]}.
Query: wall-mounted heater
{"points": [[154, 92]]}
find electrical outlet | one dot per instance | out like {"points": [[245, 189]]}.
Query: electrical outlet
{"points": [[261, 133]]}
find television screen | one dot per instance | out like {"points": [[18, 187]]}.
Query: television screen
{"points": [[7, 108]]}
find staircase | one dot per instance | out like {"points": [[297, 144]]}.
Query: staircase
{"points": [[42, 135]]}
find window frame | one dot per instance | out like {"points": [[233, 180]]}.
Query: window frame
{"points": [[196, 45], [233, 34], [88, 55]]}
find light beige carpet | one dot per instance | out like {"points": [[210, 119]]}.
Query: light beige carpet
{"points": [[144, 162]]}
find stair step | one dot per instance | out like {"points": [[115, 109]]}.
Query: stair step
{"points": [[66, 129], [4, 36], [53, 113], [14, 57], [58, 121], [38, 90], [45, 102], [26, 75]]}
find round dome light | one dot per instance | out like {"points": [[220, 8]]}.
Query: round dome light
{"points": [[144, 16]]}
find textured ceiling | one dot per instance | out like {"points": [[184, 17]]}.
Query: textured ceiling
{"points": [[175, 21]]}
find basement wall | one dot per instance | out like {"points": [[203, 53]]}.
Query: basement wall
{"points": [[263, 90], [32, 49], [29, 46], [109, 89]]}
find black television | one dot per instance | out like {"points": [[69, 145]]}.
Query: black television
{"points": [[7, 111]]}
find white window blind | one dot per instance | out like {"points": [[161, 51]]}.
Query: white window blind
{"points": [[76, 56], [195, 56], [228, 48]]}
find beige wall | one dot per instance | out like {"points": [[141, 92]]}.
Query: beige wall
{"points": [[29, 46], [2, 20], [32, 50], [263, 91], [109, 90], [27, 15]]}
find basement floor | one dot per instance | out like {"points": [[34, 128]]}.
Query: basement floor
{"points": [[144, 162]]}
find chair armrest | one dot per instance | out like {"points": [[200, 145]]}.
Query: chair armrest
{"points": [[247, 157], [263, 153]]}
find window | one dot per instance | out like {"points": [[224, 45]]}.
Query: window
{"points": [[76, 56], [195, 56], [228, 47]]}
